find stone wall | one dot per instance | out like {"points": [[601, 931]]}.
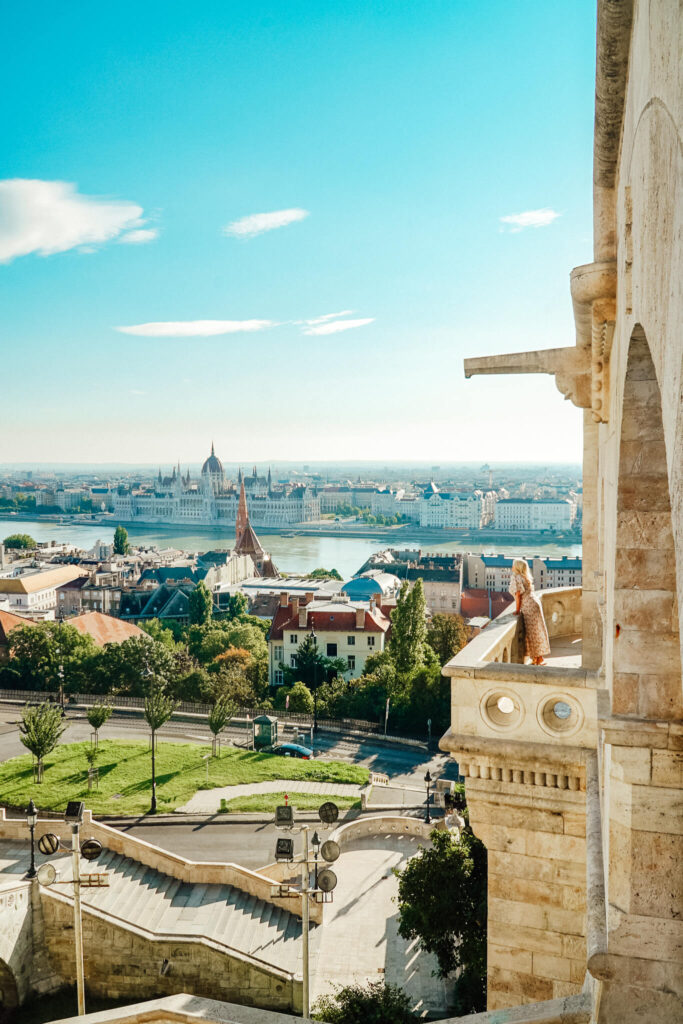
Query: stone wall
{"points": [[16, 946], [122, 962]]}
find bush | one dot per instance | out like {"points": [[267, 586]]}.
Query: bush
{"points": [[374, 1003]]}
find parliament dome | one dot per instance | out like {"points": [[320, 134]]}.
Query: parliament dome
{"points": [[213, 464]]}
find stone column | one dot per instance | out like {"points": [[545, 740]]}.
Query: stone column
{"points": [[533, 827], [591, 580]]}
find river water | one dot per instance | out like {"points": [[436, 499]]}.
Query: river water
{"points": [[290, 554]]}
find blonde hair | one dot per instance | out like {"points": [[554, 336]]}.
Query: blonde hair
{"points": [[521, 567]]}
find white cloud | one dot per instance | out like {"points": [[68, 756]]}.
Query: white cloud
{"points": [[140, 236], [194, 328], [257, 223], [46, 217], [328, 316], [530, 219], [334, 326]]}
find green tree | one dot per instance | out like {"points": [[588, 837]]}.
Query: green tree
{"points": [[201, 605], [40, 729], [442, 904], [121, 545], [220, 714], [159, 632], [158, 709], [300, 698], [22, 541], [97, 715], [409, 629], [124, 668], [38, 651], [446, 635], [324, 574], [374, 1003], [237, 606]]}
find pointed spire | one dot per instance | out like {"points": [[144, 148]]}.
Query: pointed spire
{"points": [[212, 449], [254, 473], [239, 475], [242, 520]]}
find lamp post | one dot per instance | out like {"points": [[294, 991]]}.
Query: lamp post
{"points": [[316, 669], [316, 844], [428, 782], [31, 821], [60, 670], [73, 816]]}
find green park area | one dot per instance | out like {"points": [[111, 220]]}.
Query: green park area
{"points": [[125, 776], [267, 802]]}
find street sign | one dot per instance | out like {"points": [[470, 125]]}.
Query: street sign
{"points": [[48, 843], [328, 813], [46, 874], [330, 850]]}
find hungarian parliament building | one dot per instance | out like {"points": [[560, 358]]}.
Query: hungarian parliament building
{"points": [[212, 500]]}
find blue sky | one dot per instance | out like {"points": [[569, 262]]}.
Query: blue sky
{"points": [[400, 133]]}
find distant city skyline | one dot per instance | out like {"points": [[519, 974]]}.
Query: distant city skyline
{"points": [[285, 227]]}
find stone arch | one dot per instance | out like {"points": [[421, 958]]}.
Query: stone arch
{"points": [[9, 993], [646, 655]]}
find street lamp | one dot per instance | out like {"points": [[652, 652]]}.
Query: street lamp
{"points": [[31, 821], [316, 669], [428, 781], [316, 844], [60, 671]]}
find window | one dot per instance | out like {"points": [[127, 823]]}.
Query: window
{"points": [[331, 650], [293, 639], [292, 660], [277, 653], [371, 641], [277, 677], [352, 662], [351, 641]]}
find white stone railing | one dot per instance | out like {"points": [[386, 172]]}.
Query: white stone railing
{"points": [[495, 696]]}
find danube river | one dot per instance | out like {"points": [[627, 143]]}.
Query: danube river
{"points": [[291, 554]]}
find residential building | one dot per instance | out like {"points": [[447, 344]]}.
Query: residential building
{"points": [[440, 574], [492, 572], [33, 591], [352, 630], [454, 511], [550, 514], [105, 629]]}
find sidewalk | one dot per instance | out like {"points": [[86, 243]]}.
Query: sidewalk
{"points": [[207, 801]]}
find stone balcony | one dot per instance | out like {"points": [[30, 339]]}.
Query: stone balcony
{"points": [[500, 705]]}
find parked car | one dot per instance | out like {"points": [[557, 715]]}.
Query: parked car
{"points": [[292, 750]]}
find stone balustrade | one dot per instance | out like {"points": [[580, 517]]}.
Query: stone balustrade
{"points": [[495, 696], [197, 872]]}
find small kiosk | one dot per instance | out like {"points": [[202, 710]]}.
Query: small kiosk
{"points": [[265, 732]]}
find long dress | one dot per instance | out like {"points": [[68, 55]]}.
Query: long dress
{"points": [[536, 632]]}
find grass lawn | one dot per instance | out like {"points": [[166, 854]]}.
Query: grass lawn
{"points": [[267, 802], [125, 775]]}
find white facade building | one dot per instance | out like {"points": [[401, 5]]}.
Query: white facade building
{"points": [[453, 511], [527, 514]]}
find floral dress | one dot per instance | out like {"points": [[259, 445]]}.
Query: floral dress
{"points": [[536, 632]]}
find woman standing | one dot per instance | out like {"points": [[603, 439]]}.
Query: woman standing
{"points": [[529, 604]]}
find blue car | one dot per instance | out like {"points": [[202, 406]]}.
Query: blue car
{"points": [[292, 750]]}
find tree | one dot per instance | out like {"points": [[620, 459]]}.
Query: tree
{"points": [[409, 629], [201, 605], [97, 715], [220, 714], [121, 545], [22, 541], [300, 698], [158, 709], [446, 635], [47, 653], [324, 574], [237, 606], [125, 668], [312, 668], [159, 632], [40, 728], [374, 1003], [442, 903]]}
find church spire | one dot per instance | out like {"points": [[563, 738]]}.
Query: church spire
{"points": [[242, 520], [239, 475], [212, 449]]}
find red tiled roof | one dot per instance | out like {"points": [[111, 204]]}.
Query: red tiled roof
{"points": [[9, 621], [104, 629], [327, 622]]}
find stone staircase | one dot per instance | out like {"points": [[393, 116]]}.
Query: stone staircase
{"points": [[159, 903]]}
